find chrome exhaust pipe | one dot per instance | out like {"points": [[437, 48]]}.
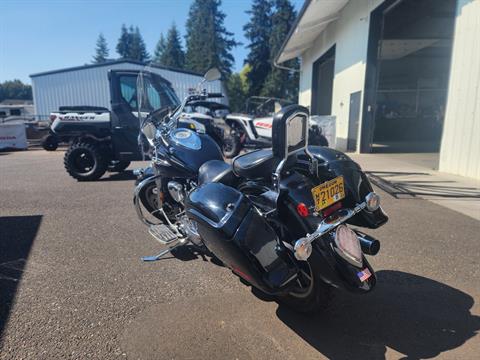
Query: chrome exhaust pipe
{"points": [[369, 245]]}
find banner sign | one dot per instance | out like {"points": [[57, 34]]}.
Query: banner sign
{"points": [[13, 136]]}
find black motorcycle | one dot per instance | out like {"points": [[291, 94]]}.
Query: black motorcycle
{"points": [[278, 218], [176, 154]]}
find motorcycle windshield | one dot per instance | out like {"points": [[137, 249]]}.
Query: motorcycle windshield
{"points": [[154, 93]]}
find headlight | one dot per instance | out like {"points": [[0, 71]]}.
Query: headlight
{"points": [[373, 201], [348, 245]]}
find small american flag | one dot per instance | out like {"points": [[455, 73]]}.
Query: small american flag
{"points": [[364, 274]]}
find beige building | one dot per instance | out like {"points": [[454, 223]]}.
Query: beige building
{"points": [[398, 75]]}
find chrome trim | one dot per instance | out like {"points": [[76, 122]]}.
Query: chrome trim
{"points": [[370, 196], [192, 141], [313, 160], [332, 222], [136, 198]]}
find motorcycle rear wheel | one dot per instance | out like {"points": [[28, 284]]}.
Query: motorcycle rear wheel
{"points": [[312, 294]]}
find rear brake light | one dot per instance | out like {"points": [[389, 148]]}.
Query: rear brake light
{"points": [[302, 210]]}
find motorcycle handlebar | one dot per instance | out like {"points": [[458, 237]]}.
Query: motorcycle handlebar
{"points": [[214, 95]]}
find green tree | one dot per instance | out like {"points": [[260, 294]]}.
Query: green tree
{"points": [[173, 54], [15, 89], [124, 43], [159, 49], [131, 45], [258, 31], [209, 44], [138, 49], [101, 50], [237, 89], [280, 82]]}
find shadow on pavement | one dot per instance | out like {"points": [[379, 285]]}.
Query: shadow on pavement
{"points": [[17, 234], [398, 185], [125, 175], [410, 314]]}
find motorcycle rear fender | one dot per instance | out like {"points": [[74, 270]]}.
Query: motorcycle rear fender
{"points": [[335, 270], [340, 273], [237, 234]]}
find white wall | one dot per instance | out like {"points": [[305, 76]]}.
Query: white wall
{"points": [[460, 149], [350, 35]]}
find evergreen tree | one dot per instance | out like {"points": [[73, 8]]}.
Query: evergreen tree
{"points": [[138, 49], [209, 44], [279, 82], [173, 54], [101, 50], [237, 89], [159, 49], [258, 31], [124, 43]]}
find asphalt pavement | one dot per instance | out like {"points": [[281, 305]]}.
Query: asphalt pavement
{"points": [[72, 285]]}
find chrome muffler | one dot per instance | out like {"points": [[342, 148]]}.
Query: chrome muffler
{"points": [[369, 245]]}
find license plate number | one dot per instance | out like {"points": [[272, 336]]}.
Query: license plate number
{"points": [[328, 193]]}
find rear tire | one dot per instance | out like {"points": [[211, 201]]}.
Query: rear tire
{"points": [[118, 166], [85, 161], [313, 297], [50, 142]]}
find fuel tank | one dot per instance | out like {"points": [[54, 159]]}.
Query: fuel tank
{"points": [[191, 149]]}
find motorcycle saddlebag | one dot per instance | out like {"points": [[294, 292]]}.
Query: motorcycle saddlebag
{"points": [[238, 235]]}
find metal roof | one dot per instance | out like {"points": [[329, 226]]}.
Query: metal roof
{"points": [[313, 18], [108, 63]]}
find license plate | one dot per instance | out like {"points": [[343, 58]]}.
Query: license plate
{"points": [[328, 193]]}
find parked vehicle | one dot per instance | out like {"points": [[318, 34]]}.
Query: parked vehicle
{"points": [[253, 129], [276, 217], [101, 140], [208, 117]]}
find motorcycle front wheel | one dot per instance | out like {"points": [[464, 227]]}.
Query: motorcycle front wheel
{"points": [[231, 145]]}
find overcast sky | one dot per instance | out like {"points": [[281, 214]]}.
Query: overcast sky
{"points": [[38, 35]]}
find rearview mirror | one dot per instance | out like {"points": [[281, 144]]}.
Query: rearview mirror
{"points": [[212, 75]]}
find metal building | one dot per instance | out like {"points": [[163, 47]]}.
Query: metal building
{"points": [[88, 85], [398, 75]]}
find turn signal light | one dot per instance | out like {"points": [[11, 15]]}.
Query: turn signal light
{"points": [[302, 210], [373, 201], [302, 249]]}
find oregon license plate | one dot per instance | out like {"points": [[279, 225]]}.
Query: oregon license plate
{"points": [[328, 193]]}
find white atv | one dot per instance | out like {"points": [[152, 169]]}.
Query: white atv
{"points": [[253, 129]]}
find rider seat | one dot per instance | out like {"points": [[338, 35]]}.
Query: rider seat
{"points": [[216, 171], [255, 165]]}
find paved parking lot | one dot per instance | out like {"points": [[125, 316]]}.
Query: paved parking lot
{"points": [[72, 285]]}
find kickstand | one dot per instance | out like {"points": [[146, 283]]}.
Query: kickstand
{"points": [[159, 255]]}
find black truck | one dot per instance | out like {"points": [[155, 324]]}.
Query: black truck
{"points": [[103, 140]]}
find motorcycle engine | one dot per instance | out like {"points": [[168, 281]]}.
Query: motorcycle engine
{"points": [[190, 228], [176, 191]]}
